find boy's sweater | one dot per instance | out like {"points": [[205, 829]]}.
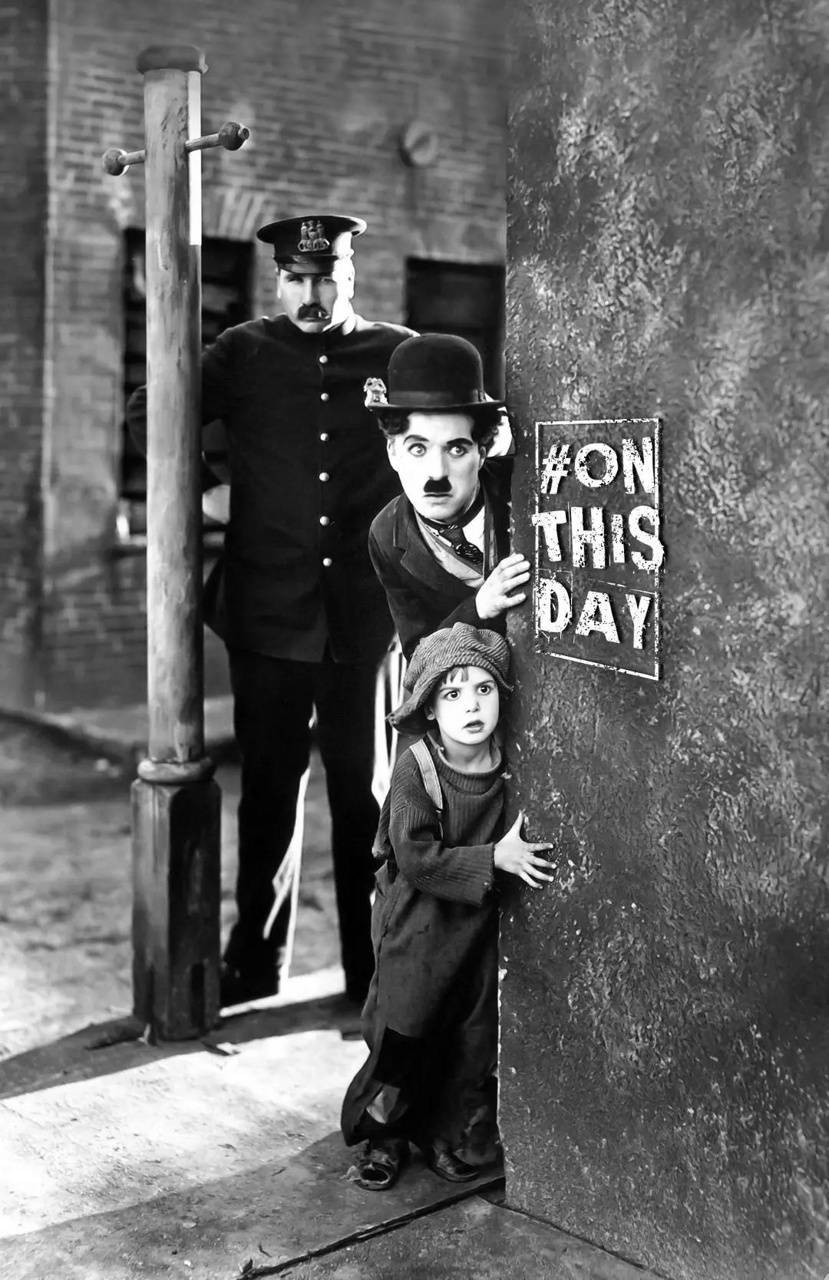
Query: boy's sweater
{"points": [[457, 863], [434, 913]]}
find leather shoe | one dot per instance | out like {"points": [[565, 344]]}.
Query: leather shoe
{"points": [[449, 1167], [237, 986]]}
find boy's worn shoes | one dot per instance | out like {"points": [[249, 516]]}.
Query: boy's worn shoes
{"points": [[237, 986], [449, 1166], [379, 1163]]}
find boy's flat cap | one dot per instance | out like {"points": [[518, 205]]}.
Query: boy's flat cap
{"points": [[459, 646]]}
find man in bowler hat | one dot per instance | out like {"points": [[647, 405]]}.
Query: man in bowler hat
{"points": [[294, 598], [440, 548]]}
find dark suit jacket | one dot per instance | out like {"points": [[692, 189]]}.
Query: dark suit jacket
{"points": [[308, 473], [422, 595]]}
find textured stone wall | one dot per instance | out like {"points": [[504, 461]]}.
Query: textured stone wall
{"points": [[326, 89], [665, 1038]]}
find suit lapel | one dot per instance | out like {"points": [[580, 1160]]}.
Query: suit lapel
{"points": [[418, 560]]}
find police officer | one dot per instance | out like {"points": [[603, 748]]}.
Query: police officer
{"points": [[295, 599]]}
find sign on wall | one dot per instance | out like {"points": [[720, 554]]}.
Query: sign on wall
{"points": [[598, 551]]}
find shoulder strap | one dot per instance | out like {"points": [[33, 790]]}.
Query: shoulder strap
{"points": [[429, 774]]}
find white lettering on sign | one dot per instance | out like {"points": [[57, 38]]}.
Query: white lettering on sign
{"points": [[638, 607], [599, 551], [548, 522], [649, 537], [620, 617], [591, 539], [597, 615], [638, 463], [555, 469], [617, 538], [555, 611], [591, 543], [642, 463], [609, 472]]}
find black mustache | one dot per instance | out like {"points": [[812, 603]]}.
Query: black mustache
{"points": [[312, 311], [437, 486]]}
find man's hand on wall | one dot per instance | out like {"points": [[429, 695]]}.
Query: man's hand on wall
{"points": [[215, 503], [501, 591]]}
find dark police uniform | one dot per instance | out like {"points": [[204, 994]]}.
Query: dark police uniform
{"points": [[303, 616], [308, 472]]}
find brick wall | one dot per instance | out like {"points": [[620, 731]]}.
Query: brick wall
{"points": [[326, 91], [22, 231]]}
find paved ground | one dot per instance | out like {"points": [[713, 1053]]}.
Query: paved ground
{"points": [[66, 890], [212, 1159]]}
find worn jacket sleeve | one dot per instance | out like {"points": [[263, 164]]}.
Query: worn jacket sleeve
{"points": [[406, 605], [457, 874], [217, 390]]}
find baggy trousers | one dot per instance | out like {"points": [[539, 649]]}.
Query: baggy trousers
{"points": [[438, 1089], [273, 702]]}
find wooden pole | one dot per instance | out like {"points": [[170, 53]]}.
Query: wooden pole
{"points": [[176, 803], [172, 104]]}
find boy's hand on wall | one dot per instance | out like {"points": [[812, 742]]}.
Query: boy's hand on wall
{"points": [[500, 590], [514, 854]]}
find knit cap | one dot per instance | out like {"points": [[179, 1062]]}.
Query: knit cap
{"points": [[459, 646]]}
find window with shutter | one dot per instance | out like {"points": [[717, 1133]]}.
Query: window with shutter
{"points": [[461, 298]]}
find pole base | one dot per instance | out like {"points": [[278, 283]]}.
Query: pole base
{"points": [[176, 897]]}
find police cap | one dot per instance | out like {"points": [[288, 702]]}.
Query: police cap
{"points": [[312, 243]]}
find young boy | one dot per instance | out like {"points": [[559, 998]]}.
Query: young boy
{"points": [[430, 1018]]}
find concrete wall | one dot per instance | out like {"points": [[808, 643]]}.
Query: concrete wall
{"points": [[665, 1035], [326, 89]]}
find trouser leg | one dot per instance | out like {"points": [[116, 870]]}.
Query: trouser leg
{"points": [[344, 697], [273, 700], [460, 1071]]}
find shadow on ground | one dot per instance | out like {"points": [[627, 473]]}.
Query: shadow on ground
{"points": [[260, 1222], [120, 1043]]}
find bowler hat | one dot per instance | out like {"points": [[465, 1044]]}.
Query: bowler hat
{"points": [[312, 242], [431, 372], [459, 646]]}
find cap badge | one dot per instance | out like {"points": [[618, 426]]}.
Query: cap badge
{"points": [[312, 238], [375, 389]]}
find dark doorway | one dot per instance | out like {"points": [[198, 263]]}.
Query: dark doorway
{"points": [[452, 297]]}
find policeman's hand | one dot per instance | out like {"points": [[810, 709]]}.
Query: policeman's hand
{"points": [[215, 503], [500, 591], [519, 858]]}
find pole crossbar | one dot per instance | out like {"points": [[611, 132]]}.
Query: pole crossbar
{"points": [[231, 136]]}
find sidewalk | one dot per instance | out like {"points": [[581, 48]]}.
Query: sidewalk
{"points": [[221, 1158], [217, 1158]]}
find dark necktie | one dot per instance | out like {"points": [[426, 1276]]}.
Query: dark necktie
{"points": [[453, 533]]}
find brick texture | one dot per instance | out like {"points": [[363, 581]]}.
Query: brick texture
{"points": [[23, 215], [326, 90]]}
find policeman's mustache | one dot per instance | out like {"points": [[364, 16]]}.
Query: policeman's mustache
{"points": [[312, 311], [438, 486]]}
